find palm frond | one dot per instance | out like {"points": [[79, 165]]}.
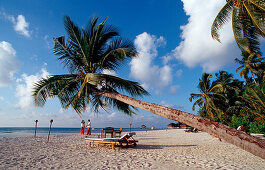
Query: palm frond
{"points": [[49, 87], [221, 18], [122, 85], [257, 17]]}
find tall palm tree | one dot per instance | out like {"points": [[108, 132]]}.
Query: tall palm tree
{"points": [[249, 64], [86, 54], [232, 90], [248, 23], [207, 97], [255, 96], [89, 51], [223, 82]]}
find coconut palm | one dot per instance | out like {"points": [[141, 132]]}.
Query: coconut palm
{"points": [[208, 97], [249, 64], [223, 82], [97, 47], [86, 54], [254, 95], [248, 23]]}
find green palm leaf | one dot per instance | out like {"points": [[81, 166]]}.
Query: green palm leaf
{"points": [[221, 18]]}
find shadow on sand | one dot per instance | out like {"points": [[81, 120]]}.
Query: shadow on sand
{"points": [[140, 146]]}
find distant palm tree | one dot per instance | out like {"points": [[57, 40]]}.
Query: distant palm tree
{"points": [[248, 23], [207, 97], [255, 96], [249, 64], [223, 82], [86, 54]]}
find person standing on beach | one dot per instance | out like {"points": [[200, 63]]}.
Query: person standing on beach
{"points": [[82, 127], [88, 131]]}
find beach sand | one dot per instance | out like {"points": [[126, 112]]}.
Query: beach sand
{"points": [[160, 149]]}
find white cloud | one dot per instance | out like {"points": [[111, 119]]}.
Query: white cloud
{"points": [[165, 76], [197, 46], [167, 58], [24, 88], [8, 63], [20, 24], [142, 67], [109, 72], [1, 98]]}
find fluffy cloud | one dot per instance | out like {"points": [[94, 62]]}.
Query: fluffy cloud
{"points": [[8, 63], [24, 88], [197, 46], [20, 24], [142, 67], [109, 72]]}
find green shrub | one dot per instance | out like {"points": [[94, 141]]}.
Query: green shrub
{"points": [[254, 127], [251, 125]]}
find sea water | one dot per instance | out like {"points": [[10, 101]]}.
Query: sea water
{"points": [[43, 131]]}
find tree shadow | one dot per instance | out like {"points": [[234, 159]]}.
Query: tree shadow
{"points": [[140, 146]]}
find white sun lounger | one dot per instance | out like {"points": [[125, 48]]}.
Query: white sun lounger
{"points": [[114, 141]]}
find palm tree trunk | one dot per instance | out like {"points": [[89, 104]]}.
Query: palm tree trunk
{"points": [[243, 140]]}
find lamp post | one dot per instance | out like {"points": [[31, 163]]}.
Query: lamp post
{"points": [[36, 127], [130, 125], [50, 129]]}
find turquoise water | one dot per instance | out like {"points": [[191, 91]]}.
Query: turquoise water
{"points": [[43, 131]]}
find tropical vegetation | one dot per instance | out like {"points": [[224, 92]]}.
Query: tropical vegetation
{"points": [[229, 100], [247, 23], [234, 100], [98, 47]]}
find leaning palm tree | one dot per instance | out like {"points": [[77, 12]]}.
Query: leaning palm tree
{"points": [[248, 23], [87, 53]]}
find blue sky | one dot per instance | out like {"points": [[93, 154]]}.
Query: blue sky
{"points": [[172, 38]]}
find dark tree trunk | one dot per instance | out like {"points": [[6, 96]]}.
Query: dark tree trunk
{"points": [[241, 139]]}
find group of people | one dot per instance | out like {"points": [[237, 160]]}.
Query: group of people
{"points": [[88, 126]]}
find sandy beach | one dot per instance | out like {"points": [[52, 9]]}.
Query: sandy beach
{"points": [[161, 149]]}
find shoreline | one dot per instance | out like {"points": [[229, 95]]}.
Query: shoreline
{"points": [[12, 132], [159, 149]]}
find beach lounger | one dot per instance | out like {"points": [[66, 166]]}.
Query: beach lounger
{"points": [[126, 138], [194, 130]]}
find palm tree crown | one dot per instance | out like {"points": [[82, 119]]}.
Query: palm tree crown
{"points": [[87, 53], [248, 23], [207, 96]]}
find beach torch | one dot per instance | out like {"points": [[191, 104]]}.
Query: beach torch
{"points": [[50, 129], [36, 127]]}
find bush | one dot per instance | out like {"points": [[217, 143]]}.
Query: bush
{"points": [[251, 126], [256, 128]]}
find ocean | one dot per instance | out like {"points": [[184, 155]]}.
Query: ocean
{"points": [[11, 132]]}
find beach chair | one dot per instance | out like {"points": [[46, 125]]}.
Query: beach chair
{"points": [[124, 139], [194, 130]]}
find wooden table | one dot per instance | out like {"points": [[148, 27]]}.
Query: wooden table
{"points": [[107, 130]]}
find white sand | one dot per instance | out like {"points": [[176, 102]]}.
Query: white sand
{"points": [[163, 149]]}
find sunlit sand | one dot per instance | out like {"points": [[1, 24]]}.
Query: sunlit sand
{"points": [[161, 149]]}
